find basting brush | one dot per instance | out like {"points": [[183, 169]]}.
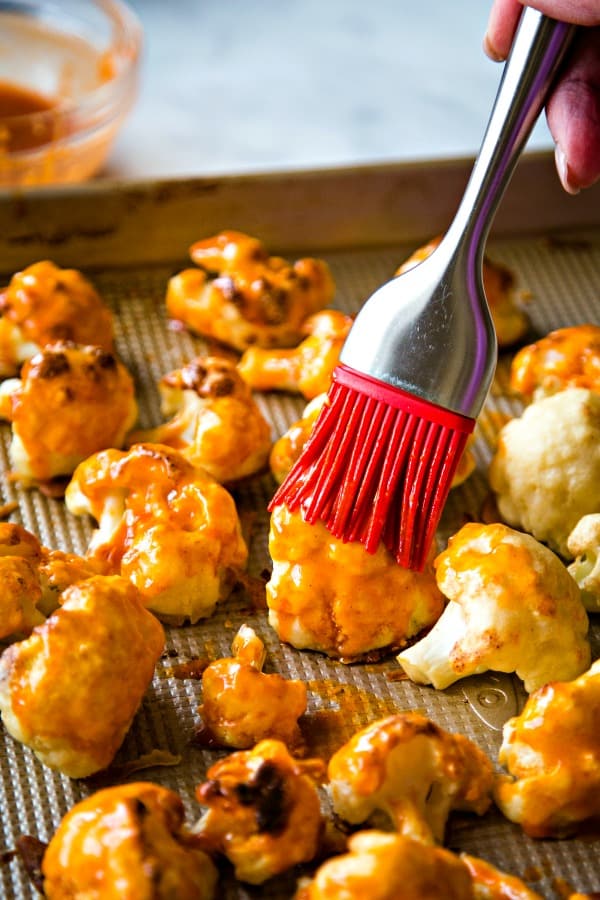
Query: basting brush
{"points": [[416, 367]]}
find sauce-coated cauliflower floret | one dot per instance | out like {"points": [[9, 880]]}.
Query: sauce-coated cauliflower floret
{"points": [[69, 402], [128, 841], [32, 578], [287, 449], [164, 524], [216, 422], [241, 296], [510, 320], [263, 810], [513, 608], [43, 304], [490, 883], [584, 544], [546, 469], [552, 752], [242, 705], [305, 369], [335, 597], [59, 687], [408, 767], [565, 358], [382, 866]]}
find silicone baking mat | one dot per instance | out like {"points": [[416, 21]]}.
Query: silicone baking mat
{"points": [[562, 279]]}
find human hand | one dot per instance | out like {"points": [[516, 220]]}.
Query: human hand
{"points": [[573, 107]]}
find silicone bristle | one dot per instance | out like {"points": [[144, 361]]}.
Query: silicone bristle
{"points": [[377, 467]]}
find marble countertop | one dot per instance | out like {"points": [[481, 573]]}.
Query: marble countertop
{"points": [[230, 86]]}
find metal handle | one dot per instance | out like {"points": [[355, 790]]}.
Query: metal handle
{"points": [[537, 52]]}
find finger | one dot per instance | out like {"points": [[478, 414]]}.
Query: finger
{"points": [[579, 12], [502, 24], [504, 17], [573, 114]]}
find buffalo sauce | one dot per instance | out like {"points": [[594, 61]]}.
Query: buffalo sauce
{"points": [[20, 129]]}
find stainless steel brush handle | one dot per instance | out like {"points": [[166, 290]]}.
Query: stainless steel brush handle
{"points": [[429, 331]]}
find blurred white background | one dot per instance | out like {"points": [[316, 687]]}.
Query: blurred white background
{"points": [[254, 85]]}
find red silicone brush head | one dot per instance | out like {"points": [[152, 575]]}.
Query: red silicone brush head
{"points": [[378, 466]]}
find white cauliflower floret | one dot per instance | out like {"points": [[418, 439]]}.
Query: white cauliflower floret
{"points": [[513, 608], [413, 770], [552, 752], [584, 544], [546, 470]]}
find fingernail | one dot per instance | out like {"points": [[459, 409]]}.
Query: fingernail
{"points": [[562, 167], [490, 50]]}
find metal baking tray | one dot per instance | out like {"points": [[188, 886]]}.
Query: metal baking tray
{"points": [[129, 238]]}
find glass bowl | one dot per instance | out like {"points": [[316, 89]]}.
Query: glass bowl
{"points": [[68, 77]]}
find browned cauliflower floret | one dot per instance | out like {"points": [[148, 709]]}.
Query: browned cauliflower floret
{"points": [[128, 841], [414, 771], [263, 810], [546, 470], [565, 358], [58, 687], [69, 402], [242, 705], [32, 578], [552, 752], [510, 320], [382, 866], [584, 544], [43, 304], [216, 422], [513, 608], [335, 597], [305, 369], [242, 297], [164, 524]]}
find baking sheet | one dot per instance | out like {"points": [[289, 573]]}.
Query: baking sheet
{"points": [[562, 275]]}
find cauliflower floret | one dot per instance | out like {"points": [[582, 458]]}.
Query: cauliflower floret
{"points": [[413, 770], [305, 369], [546, 470], [335, 597], [164, 524], [127, 841], [216, 422], [58, 686], [242, 705], [32, 578], [565, 358], [287, 449], [43, 304], [263, 810], [510, 320], [70, 402], [513, 608], [384, 866], [242, 297], [489, 883], [584, 544], [552, 752]]}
